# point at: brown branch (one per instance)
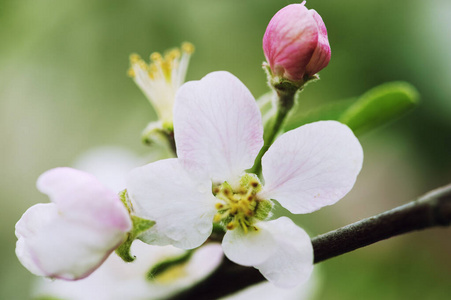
(432, 209)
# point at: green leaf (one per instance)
(375, 108)
(139, 226)
(379, 106)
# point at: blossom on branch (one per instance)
(218, 133)
(70, 237)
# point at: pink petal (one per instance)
(71, 237)
(217, 126)
(312, 166)
(83, 196)
(321, 56)
(290, 41)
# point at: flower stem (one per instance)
(286, 92)
(432, 209)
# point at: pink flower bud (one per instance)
(70, 237)
(295, 43)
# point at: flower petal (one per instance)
(312, 166)
(71, 237)
(248, 249)
(51, 245)
(321, 56)
(292, 262)
(267, 291)
(217, 125)
(182, 207)
(82, 197)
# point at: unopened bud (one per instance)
(295, 43)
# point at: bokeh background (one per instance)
(64, 90)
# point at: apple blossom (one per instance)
(305, 169)
(296, 44)
(70, 237)
(160, 80)
(116, 279)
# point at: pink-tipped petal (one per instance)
(83, 197)
(70, 238)
(312, 166)
(182, 206)
(217, 126)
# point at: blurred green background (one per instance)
(64, 90)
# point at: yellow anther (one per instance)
(219, 205)
(173, 54)
(188, 47)
(134, 58)
(231, 226)
(142, 65)
(131, 73)
(156, 57)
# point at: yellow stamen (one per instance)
(187, 47)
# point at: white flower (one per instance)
(70, 237)
(267, 291)
(161, 79)
(218, 133)
(118, 280)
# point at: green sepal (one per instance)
(379, 106)
(139, 226)
(165, 265)
(126, 201)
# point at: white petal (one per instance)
(248, 249)
(182, 207)
(292, 262)
(267, 291)
(203, 262)
(51, 245)
(312, 166)
(217, 125)
(32, 222)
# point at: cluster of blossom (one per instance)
(217, 131)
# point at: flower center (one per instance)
(241, 207)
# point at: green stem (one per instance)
(286, 93)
